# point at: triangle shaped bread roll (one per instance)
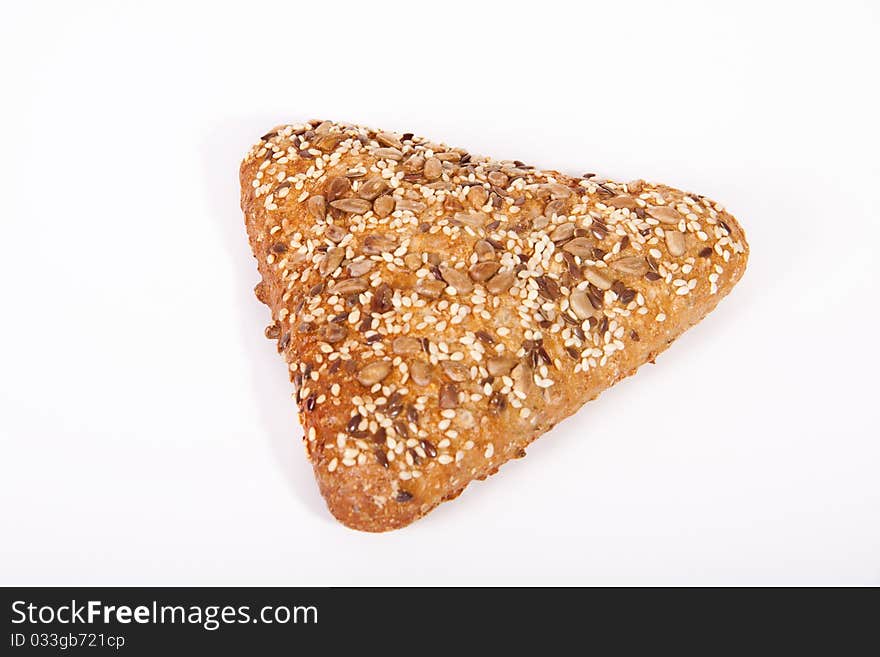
(438, 311)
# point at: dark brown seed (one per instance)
(401, 429)
(310, 402)
(417, 460)
(485, 338)
(634, 336)
(382, 299)
(548, 288)
(278, 247)
(573, 353)
(497, 403)
(706, 252)
(380, 436)
(429, 448)
(403, 496)
(652, 276)
(412, 414)
(284, 342)
(627, 295)
(353, 423)
(381, 458)
(272, 331)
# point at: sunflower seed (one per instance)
(416, 207)
(664, 213)
(414, 164)
(500, 365)
(522, 378)
(420, 372)
(335, 233)
(373, 373)
(597, 278)
(477, 196)
(581, 247)
(562, 232)
(349, 286)
(388, 154)
(430, 288)
(501, 282)
(454, 370)
(556, 207)
(372, 188)
(458, 280)
(433, 168)
(383, 206)
(359, 268)
(622, 201)
(388, 139)
(484, 250)
(675, 242)
(352, 205)
(635, 265)
(328, 142)
(483, 271)
(316, 207)
(404, 346)
(332, 332)
(556, 191)
(378, 243)
(580, 305)
(448, 396)
(331, 261)
(337, 188)
(498, 178)
(472, 219)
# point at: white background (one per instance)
(148, 435)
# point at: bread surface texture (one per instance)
(439, 310)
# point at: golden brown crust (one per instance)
(439, 311)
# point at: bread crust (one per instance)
(605, 275)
